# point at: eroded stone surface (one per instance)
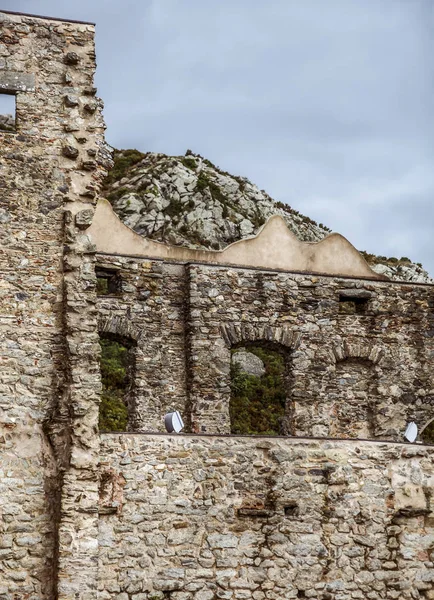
(267, 519)
(189, 518)
(49, 380)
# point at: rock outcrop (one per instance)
(402, 270)
(248, 363)
(188, 201)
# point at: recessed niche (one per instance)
(291, 509)
(352, 306)
(108, 282)
(354, 301)
(7, 113)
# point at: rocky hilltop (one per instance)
(188, 201)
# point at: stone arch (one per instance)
(280, 339)
(263, 404)
(357, 350)
(427, 428)
(236, 334)
(370, 415)
(210, 371)
(353, 398)
(118, 326)
(117, 333)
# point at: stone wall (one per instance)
(149, 311)
(206, 518)
(359, 354)
(51, 170)
(325, 325)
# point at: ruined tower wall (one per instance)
(384, 329)
(234, 518)
(51, 168)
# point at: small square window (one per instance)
(291, 510)
(352, 306)
(7, 112)
(108, 282)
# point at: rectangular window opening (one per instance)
(108, 282)
(352, 305)
(7, 112)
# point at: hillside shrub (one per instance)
(190, 163)
(116, 194)
(113, 414)
(258, 403)
(123, 161)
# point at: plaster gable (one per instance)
(274, 247)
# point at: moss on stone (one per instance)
(190, 163)
(116, 194)
(174, 209)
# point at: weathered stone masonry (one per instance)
(139, 516)
(203, 517)
(209, 518)
(51, 169)
(351, 374)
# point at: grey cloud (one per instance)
(327, 106)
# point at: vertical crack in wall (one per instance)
(57, 432)
(189, 408)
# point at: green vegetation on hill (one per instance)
(123, 161)
(258, 403)
(6, 127)
(113, 414)
(391, 261)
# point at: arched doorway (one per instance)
(260, 389)
(117, 364)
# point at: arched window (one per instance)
(117, 377)
(427, 433)
(259, 389)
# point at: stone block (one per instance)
(11, 81)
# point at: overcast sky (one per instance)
(328, 105)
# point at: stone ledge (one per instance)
(11, 81)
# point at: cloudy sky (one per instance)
(328, 105)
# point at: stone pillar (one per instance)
(85, 158)
(51, 169)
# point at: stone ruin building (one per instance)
(340, 507)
